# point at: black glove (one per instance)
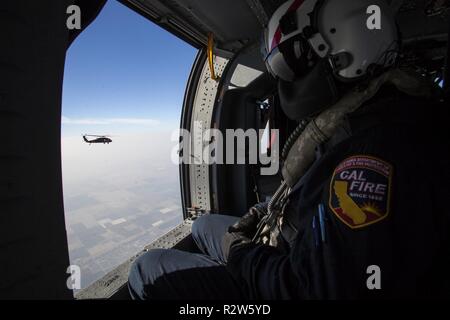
(248, 224)
(232, 239)
(242, 231)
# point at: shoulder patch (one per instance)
(360, 191)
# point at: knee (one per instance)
(148, 264)
(144, 272)
(212, 223)
(200, 226)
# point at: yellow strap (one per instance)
(211, 55)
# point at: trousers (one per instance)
(170, 274)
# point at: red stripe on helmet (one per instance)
(278, 35)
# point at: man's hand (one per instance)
(248, 224)
(242, 231)
(232, 239)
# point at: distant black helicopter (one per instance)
(98, 139)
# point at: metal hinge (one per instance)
(195, 212)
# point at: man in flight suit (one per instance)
(362, 213)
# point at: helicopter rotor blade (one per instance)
(95, 136)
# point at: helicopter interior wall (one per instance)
(251, 57)
(192, 20)
(34, 255)
(234, 194)
(233, 186)
(33, 244)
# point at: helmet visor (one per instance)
(292, 59)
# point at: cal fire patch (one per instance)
(360, 191)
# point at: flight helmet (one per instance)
(314, 46)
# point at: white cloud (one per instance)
(109, 121)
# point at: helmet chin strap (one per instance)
(324, 126)
(309, 94)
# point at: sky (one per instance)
(124, 73)
(124, 77)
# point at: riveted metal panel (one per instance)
(203, 107)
